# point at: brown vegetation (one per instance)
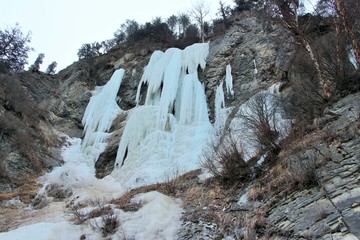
(225, 161)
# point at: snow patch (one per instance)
(158, 218)
(45, 231)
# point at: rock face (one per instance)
(29, 144)
(255, 54)
(333, 210)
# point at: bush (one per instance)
(110, 225)
(226, 162)
(89, 50)
(303, 170)
(259, 116)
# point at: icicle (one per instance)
(99, 114)
(229, 81)
(255, 68)
(193, 108)
(195, 55)
(219, 102)
(352, 58)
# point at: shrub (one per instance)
(226, 162)
(259, 116)
(75, 215)
(110, 224)
(303, 170)
(89, 50)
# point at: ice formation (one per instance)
(352, 58)
(271, 108)
(99, 114)
(171, 127)
(219, 104)
(255, 68)
(229, 81)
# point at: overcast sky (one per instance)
(60, 27)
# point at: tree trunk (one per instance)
(355, 45)
(325, 84)
(289, 17)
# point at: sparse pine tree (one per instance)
(35, 67)
(184, 22)
(51, 68)
(172, 21)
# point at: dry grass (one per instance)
(283, 178)
(26, 192)
(172, 187)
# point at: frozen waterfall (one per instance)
(99, 114)
(167, 133)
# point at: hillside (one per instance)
(230, 139)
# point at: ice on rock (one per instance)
(255, 68)
(229, 81)
(219, 104)
(99, 114)
(193, 107)
(352, 58)
(240, 129)
(221, 111)
(172, 126)
(194, 56)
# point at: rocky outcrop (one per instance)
(29, 144)
(106, 162)
(255, 53)
(330, 210)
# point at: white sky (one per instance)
(60, 27)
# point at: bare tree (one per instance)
(199, 12)
(224, 12)
(345, 21)
(347, 15)
(260, 118)
(14, 49)
(287, 12)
